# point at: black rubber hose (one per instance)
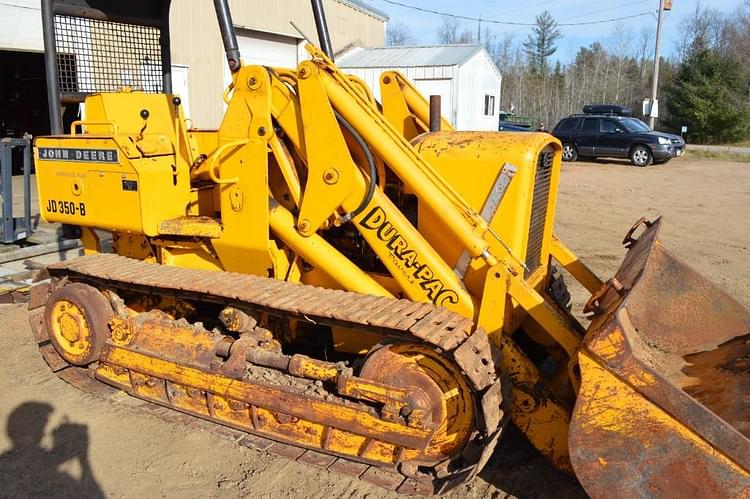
(370, 162)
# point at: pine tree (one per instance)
(541, 43)
(709, 95)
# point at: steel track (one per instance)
(450, 333)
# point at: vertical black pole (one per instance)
(228, 36)
(50, 67)
(322, 26)
(166, 55)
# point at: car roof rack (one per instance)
(597, 115)
(607, 110)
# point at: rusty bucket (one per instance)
(664, 403)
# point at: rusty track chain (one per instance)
(402, 319)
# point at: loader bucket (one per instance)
(664, 404)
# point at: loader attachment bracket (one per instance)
(628, 241)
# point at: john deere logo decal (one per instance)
(83, 155)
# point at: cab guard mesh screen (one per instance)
(105, 56)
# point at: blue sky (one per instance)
(424, 26)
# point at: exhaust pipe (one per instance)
(435, 113)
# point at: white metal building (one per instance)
(464, 76)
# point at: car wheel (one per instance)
(570, 153)
(641, 156)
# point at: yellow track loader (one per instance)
(365, 289)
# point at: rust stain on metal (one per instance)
(720, 380)
(193, 226)
(303, 420)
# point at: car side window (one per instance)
(575, 123)
(609, 126)
(566, 124)
(591, 125)
(563, 125)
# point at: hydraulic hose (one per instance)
(368, 156)
(370, 163)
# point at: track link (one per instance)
(398, 319)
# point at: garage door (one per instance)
(268, 49)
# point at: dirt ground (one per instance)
(705, 205)
(56, 441)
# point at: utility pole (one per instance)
(655, 79)
(479, 30)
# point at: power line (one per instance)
(620, 6)
(511, 23)
(525, 7)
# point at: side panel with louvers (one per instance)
(539, 203)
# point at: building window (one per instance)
(489, 105)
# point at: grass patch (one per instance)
(716, 155)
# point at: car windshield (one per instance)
(634, 125)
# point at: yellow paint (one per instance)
(331, 169)
(462, 221)
(194, 255)
(396, 109)
(193, 385)
(350, 341)
(457, 406)
(70, 329)
(574, 265)
(113, 375)
(608, 403)
(191, 227)
(133, 246)
(542, 419)
(244, 205)
(322, 254)
(547, 315)
(89, 189)
(487, 152)
(90, 241)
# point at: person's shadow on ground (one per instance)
(30, 470)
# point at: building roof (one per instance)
(367, 9)
(394, 57)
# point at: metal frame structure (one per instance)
(15, 228)
(147, 13)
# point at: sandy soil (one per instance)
(705, 205)
(56, 441)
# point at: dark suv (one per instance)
(609, 135)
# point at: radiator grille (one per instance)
(104, 56)
(539, 203)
